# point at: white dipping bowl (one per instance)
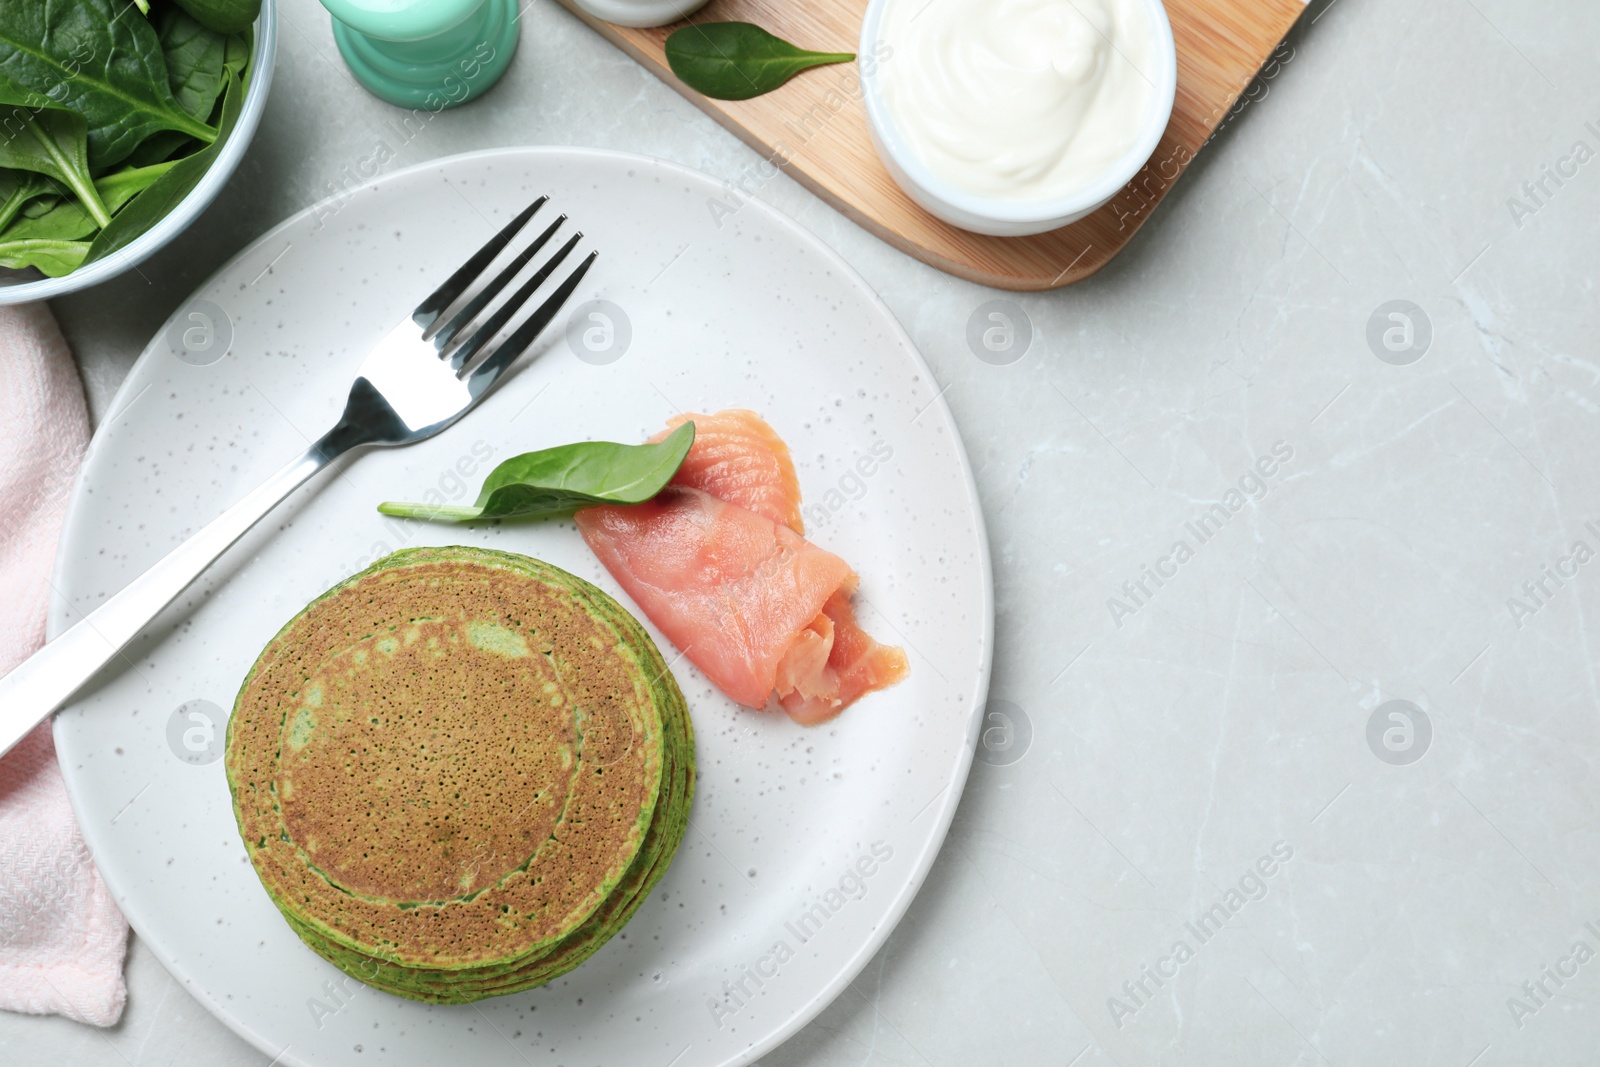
(999, 216)
(641, 12)
(18, 289)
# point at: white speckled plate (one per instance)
(806, 846)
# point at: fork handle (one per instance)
(43, 682)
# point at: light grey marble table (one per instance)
(1409, 536)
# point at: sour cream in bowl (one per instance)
(1015, 117)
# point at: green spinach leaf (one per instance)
(17, 189)
(38, 207)
(54, 143)
(236, 55)
(93, 58)
(195, 60)
(68, 221)
(171, 144)
(13, 96)
(224, 16)
(159, 147)
(556, 480)
(153, 204)
(737, 60)
(54, 258)
(119, 188)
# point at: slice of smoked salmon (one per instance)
(852, 664)
(717, 563)
(730, 588)
(737, 457)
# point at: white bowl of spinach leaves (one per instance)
(120, 120)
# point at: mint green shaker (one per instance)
(426, 54)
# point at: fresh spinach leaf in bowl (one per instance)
(110, 113)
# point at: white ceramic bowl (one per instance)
(189, 208)
(641, 12)
(995, 215)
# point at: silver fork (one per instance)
(416, 382)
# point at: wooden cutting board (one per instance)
(815, 127)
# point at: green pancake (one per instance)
(611, 917)
(665, 834)
(666, 831)
(459, 772)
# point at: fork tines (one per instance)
(468, 333)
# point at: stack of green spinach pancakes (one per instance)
(460, 772)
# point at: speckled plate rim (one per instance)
(944, 807)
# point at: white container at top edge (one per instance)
(1003, 216)
(189, 208)
(641, 12)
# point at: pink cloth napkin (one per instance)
(62, 939)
